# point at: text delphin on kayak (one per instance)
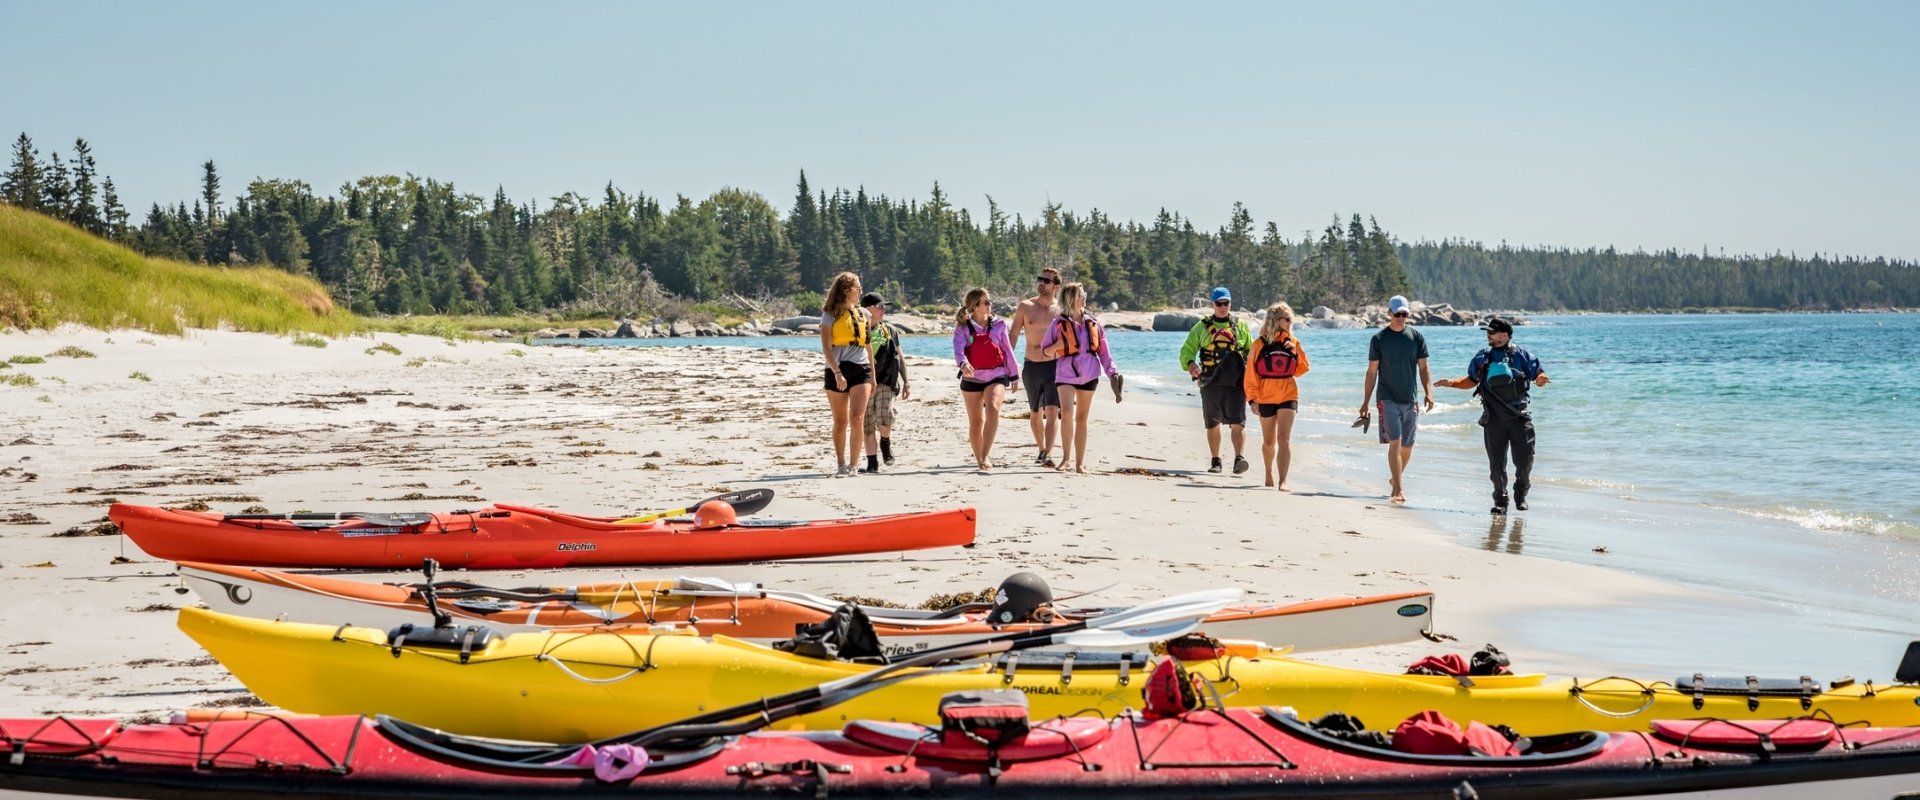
(573, 547)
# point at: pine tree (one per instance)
(210, 192)
(56, 189)
(85, 213)
(112, 213)
(22, 183)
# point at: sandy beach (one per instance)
(249, 421)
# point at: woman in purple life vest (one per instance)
(1078, 346)
(988, 368)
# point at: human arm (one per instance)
(1011, 362)
(1299, 358)
(1050, 343)
(1426, 383)
(1190, 349)
(1474, 367)
(826, 350)
(1539, 372)
(1105, 354)
(1366, 392)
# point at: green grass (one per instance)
(71, 351)
(383, 347)
(140, 376)
(461, 327)
(311, 341)
(53, 273)
(26, 360)
(18, 379)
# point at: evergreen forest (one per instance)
(411, 245)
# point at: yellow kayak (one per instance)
(581, 685)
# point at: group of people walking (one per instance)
(1066, 353)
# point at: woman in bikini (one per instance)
(984, 354)
(1078, 346)
(1272, 392)
(849, 378)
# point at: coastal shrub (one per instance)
(310, 341)
(140, 376)
(517, 353)
(26, 360)
(70, 351)
(807, 302)
(383, 347)
(18, 379)
(416, 361)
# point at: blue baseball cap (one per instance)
(1221, 293)
(1397, 304)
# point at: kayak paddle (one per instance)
(745, 501)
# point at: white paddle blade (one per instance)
(1179, 607)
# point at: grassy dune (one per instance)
(53, 273)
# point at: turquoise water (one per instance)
(1799, 418)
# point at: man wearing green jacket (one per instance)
(1215, 355)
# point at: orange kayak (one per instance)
(749, 611)
(502, 536)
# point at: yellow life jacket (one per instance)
(849, 328)
(1069, 335)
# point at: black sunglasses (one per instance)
(1223, 302)
(1045, 279)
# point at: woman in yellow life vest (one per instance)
(849, 378)
(1272, 393)
(1079, 349)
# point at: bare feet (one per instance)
(1283, 487)
(1269, 480)
(1080, 468)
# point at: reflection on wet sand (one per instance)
(1497, 530)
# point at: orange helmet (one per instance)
(715, 514)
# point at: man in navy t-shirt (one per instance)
(1395, 353)
(1500, 376)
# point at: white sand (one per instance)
(248, 419)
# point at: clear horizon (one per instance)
(1747, 128)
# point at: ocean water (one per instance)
(1764, 457)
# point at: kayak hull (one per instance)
(1237, 753)
(572, 686)
(520, 537)
(746, 611)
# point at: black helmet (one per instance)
(1018, 597)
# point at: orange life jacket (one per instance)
(1069, 336)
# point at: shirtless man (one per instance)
(1031, 320)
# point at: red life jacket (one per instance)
(1276, 359)
(982, 353)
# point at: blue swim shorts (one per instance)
(1398, 421)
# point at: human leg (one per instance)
(1269, 430)
(1283, 444)
(973, 402)
(1522, 464)
(1082, 412)
(838, 402)
(990, 422)
(1496, 437)
(1069, 399)
(857, 397)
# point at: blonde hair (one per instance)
(840, 297)
(974, 296)
(1069, 293)
(1271, 326)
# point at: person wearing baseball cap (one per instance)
(1215, 355)
(1501, 376)
(1395, 354)
(890, 381)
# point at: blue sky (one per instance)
(1743, 126)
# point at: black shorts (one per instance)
(1086, 387)
(1270, 409)
(856, 373)
(971, 386)
(1043, 389)
(1223, 405)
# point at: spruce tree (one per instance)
(22, 184)
(56, 189)
(86, 213)
(111, 212)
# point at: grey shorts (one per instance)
(1398, 421)
(1043, 389)
(1223, 405)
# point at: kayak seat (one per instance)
(1702, 686)
(1541, 751)
(1043, 740)
(1753, 736)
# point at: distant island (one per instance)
(390, 245)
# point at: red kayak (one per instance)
(980, 751)
(502, 536)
